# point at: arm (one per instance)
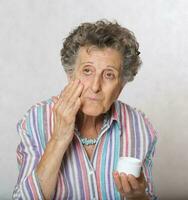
(27, 186)
(142, 187)
(46, 167)
(131, 187)
(138, 188)
(147, 169)
(37, 174)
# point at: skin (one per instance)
(96, 81)
(99, 71)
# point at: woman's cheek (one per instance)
(85, 78)
(85, 87)
(85, 81)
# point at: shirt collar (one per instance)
(114, 114)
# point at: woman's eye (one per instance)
(109, 75)
(87, 71)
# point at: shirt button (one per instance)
(91, 172)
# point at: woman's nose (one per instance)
(96, 84)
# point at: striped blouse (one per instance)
(125, 132)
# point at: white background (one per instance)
(31, 34)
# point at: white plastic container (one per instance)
(129, 165)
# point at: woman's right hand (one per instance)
(66, 106)
(65, 109)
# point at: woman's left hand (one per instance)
(131, 187)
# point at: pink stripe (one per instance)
(32, 187)
(122, 149)
(98, 166)
(51, 119)
(151, 129)
(48, 114)
(61, 183)
(148, 178)
(126, 134)
(84, 172)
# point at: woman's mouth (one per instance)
(93, 98)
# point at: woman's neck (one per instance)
(89, 126)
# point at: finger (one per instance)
(55, 99)
(63, 94)
(67, 105)
(125, 184)
(66, 89)
(74, 90)
(77, 105)
(133, 182)
(118, 182)
(68, 92)
(71, 110)
(68, 113)
(141, 177)
(77, 93)
(142, 180)
(72, 86)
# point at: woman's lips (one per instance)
(93, 98)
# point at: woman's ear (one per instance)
(68, 77)
(120, 88)
(71, 76)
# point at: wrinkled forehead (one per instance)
(95, 55)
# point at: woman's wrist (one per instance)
(58, 145)
(141, 197)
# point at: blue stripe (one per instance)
(109, 168)
(34, 123)
(103, 162)
(40, 126)
(116, 156)
(80, 175)
(137, 135)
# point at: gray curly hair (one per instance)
(103, 34)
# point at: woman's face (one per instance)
(100, 72)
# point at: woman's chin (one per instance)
(92, 110)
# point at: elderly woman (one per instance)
(71, 143)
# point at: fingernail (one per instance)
(76, 81)
(115, 173)
(130, 176)
(122, 174)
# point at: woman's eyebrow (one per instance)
(86, 63)
(108, 66)
(113, 67)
